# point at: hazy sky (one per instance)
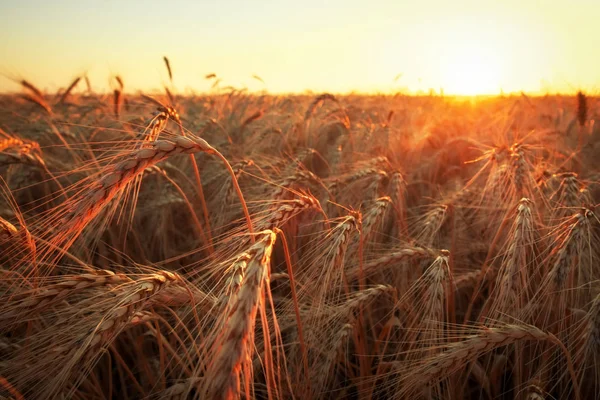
(340, 45)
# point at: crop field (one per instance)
(235, 245)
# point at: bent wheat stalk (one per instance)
(117, 176)
(458, 354)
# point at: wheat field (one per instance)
(234, 245)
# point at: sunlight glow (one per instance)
(469, 71)
(465, 47)
(473, 56)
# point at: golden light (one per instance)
(473, 59)
(470, 71)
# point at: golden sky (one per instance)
(464, 47)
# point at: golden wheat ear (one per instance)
(168, 65)
(458, 354)
(16, 242)
(69, 89)
(582, 108)
(234, 349)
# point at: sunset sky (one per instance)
(465, 47)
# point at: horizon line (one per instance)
(310, 92)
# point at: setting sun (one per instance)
(470, 69)
(473, 53)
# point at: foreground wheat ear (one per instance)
(449, 252)
(115, 178)
(234, 350)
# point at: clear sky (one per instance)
(463, 46)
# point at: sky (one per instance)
(458, 46)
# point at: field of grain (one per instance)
(237, 245)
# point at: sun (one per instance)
(470, 68)
(472, 56)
